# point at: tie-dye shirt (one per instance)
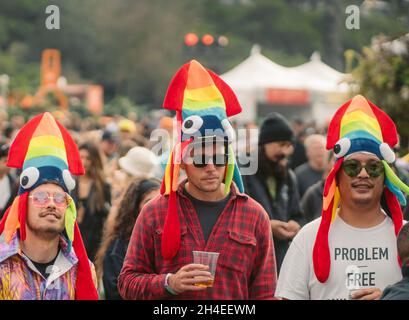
(20, 280)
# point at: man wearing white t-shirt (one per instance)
(350, 252)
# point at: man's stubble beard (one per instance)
(48, 233)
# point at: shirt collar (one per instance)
(8, 250)
(233, 190)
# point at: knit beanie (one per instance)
(275, 128)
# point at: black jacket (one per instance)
(400, 290)
(14, 185)
(311, 202)
(112, 264)
(93, 221)
(285, 207)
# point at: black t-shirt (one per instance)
(208, 212)
(44, 267)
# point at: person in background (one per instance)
(111, 254)
(298, 157)
(93, 196)
(138, 162)
(8, 183)
(312, 171)
(109, 146)
(127, 129)
(109, 152)
(400, 290)
(311, 201)
(274, 185)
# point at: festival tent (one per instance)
(312, 90)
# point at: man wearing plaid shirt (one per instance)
(235, 225)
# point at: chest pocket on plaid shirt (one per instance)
(238, 251)
(168, 265)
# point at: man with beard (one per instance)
(205, 212)
(42, 256)
(274, 185)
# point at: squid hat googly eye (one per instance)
(203, 102)
(357, 126)
(46, 152)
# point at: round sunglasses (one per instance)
(353, 167)
(43, 199)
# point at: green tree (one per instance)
(383, 76)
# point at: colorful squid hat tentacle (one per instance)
(357, 126)
(22, 208)
(395, 209)
(237, 178)
(203, 102)
(394, 189)
(330, 184)
(11, 222)
(229, 171)
(171, 229)
(4, 219)
(84, 285)
(395, 184)
(70, 218)
(321, 253)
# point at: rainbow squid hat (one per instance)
(357, 126)
(202, 102)
(45, 152)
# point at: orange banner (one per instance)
(95, 99)
(288, 96)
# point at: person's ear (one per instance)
(183, 165)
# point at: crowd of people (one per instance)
(322, 217)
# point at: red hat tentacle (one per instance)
(171, 229)
(396, 213)
(22, 216)
(84, 286)
(4, 219)
(321, 252)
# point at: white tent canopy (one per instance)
(259, 72)
(317, 76)
(252, 78)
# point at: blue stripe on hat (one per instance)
(46, 161)
(360, 134)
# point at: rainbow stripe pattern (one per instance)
(203, 102)
(46, 147)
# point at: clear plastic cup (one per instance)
(208, 259)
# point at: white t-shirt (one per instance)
(360, 257)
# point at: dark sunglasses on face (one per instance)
(202, 160)
(43, 199)
(353, 167)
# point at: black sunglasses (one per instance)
(202, 160)
(353, 167)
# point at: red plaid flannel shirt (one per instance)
(246, 268)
